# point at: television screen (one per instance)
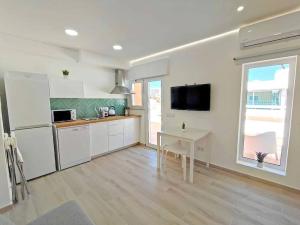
(192, 97)
(178, 97)
(198, 97)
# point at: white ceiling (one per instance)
(142, 27)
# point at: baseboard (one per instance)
(6, 209)
(261, 180)
(234, 172)
(116, 150)
(141, 144)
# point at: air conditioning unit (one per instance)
(277, 29)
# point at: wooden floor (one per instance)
(124, 188)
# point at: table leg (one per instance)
(192, 153)
(184, 166)
(207, 149)
(158, 151)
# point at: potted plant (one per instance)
(65, 73)
(260, 157)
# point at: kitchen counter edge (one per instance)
(85, 122)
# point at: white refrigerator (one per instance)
(28, 104)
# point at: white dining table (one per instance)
(190, 135)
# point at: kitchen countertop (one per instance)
(84, 122)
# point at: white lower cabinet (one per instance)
(131, 131)
(99, 138)
(73, 146)
(77, 144)
(115, 134)
(116, 127)
(116, 141)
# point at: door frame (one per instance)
(146, 81)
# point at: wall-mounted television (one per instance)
(191, 97)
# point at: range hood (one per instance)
(120, 83)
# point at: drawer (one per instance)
(116, 141)
(116, 127)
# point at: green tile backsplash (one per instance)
(85, 107)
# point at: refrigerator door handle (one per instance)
(34, 126)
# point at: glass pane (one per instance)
(154, 99)
(137, 99)
(265, 111)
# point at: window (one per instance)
(137, 97)
(265, 117)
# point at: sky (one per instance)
(155, 84)
(264, 73)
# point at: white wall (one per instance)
(212, 62)
(23, 55)
(29, 56)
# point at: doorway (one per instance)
(154, 109)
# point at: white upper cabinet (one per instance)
(131, 131)
(66, 88)
(99, 138)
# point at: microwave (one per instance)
(63, 115)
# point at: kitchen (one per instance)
(181, 153)
(59, 128)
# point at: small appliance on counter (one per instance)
(104, 111)
(63, 115)
(112, 111)
(99, 113)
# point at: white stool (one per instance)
(177, 148)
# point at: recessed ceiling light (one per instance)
(71, 32)
(117, 47)
(240, 8)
